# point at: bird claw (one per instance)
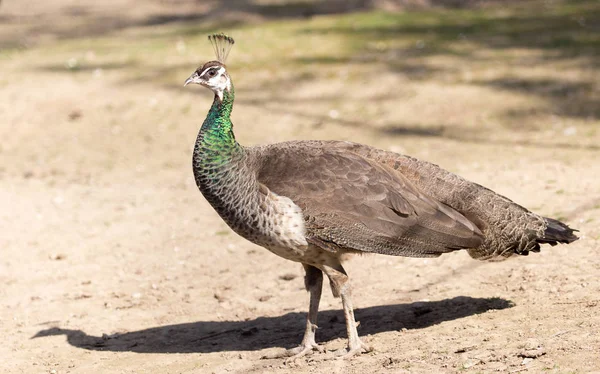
(293, 354)
(301, 351)
(354, 349)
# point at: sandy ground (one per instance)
(112, 261)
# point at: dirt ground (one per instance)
(112, 261)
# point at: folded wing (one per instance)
(352, 203)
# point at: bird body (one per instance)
(314, 202)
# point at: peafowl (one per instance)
(315, 202)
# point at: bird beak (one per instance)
(188, 81)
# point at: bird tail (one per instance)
(557, 232)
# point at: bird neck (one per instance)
(216, 146)
(220, 168)
(217, 129)
(216, 141)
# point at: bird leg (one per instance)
(340, 286)
(355, 345)
(313, 281)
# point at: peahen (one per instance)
(314, 202)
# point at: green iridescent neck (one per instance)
(217, 126)
(216, 138)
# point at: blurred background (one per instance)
(103, 232)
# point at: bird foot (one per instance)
(293, 354)
(352, 350)
(301, 351)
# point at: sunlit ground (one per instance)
(96, 183)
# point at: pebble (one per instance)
(532, 353)
(470, 363)
(532, 348)
(57, 256)
(219, 297)
(526, 360)
(531, 344)
(288, 276)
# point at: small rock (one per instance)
(531, 344)
(470, 363)
(288, 276)
(532, 353)
(75, 115)
(526, 360)
(57, 256)
(390, 362)
(466, 349)
(264, 298)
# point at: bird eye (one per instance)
(211, 73)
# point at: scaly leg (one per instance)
(355, 345)
(340, 286)
(313, 281)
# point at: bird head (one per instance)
(213, 74)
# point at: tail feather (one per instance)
(557, 232)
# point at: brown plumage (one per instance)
(359, 198)
(353, 203)
(314, 202)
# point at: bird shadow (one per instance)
(279, 331)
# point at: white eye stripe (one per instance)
(221, 70)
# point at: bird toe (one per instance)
(293, 354)
(354, 349)
(301, 351)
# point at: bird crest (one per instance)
(222, 45)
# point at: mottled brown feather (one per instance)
(356, 197)
(351, 202)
